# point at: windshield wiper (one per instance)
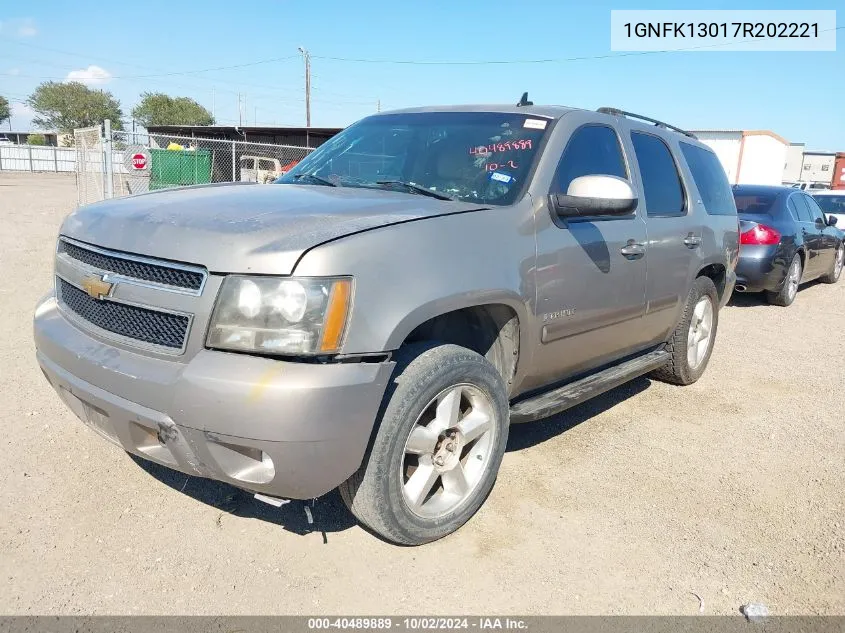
(322, 181)
(412, 188)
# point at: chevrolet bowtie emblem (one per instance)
(96, 286)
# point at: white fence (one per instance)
(37, 158)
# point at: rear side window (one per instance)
(662, 188)
(592, 150)
(793, 210)
(710, 179)
(803, 208)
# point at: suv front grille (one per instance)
(141, 324)
(132, 267)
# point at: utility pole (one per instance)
(240, 112)
(378, 106)
(306, 56)
(212, 103)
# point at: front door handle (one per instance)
(692, 241)
(633, 250)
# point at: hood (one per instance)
(244, 228)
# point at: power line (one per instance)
(161, 73)
(170, 74)
(538, 61)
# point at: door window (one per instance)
(803, 208)
(662, 189)
(592, 150)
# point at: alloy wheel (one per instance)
(793, 279)
(447, 451)
(700, 332)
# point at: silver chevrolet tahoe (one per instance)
(377, 318)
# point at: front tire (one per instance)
(691, 344)
(789, 290)
(440, 440)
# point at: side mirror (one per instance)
(831, 220)
(595, 196)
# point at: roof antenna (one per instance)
(524, 101)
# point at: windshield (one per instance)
(480, 157)
(831, 204)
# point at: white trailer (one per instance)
(752, 157)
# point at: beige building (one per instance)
(817, 167)
(755, 157)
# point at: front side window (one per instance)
(592, 150)
(662, 189)
(710, 179)
(483, 157)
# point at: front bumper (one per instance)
(285, 429)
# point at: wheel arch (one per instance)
(718, 273)
(492, 326)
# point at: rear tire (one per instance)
(444, 420)
(690, 346)
(833, 276)
(789, 290)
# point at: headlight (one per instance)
(275, 315)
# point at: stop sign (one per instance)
(139, 161)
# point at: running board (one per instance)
(550, 402)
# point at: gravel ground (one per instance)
(730, 489)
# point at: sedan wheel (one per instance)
(786, 295)
(793, 279)
(836, 271)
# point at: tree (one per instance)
(66, 106)
(5, 110)
(157, 108)
(36, 139)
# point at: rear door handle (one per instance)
(633, 250)
(692, 241)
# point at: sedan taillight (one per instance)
(760, 234)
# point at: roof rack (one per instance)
(618, 112)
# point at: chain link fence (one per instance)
(90, 166)
(121, 163)
(146, 162)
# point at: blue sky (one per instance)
(128, 47)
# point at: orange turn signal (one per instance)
(336, 314)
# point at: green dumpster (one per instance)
(179, 167)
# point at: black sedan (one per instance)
(785, 240)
